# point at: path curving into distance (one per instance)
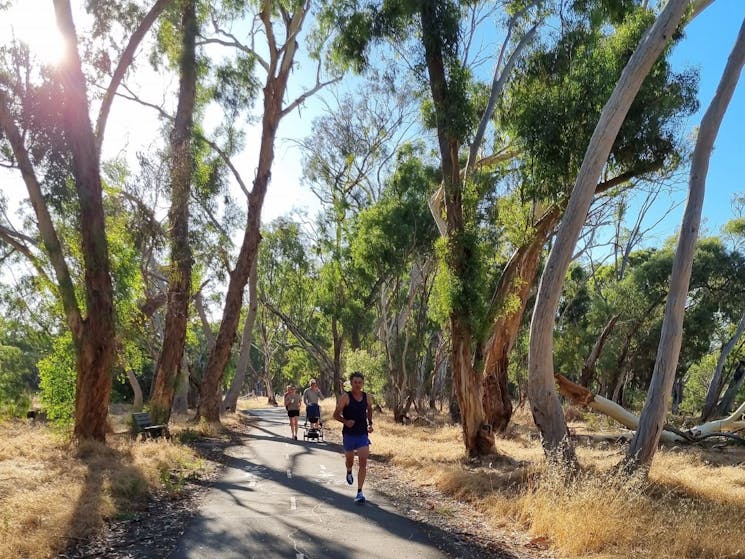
(281, 498)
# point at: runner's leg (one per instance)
(349, 459)
(362, 454)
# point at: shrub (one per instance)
(14, 400)
(57, 374)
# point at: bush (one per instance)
(372, 366)
(14, 399)
(58, 375)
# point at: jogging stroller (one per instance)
(313, 416)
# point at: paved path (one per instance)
(284, 498)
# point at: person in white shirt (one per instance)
(311, 396)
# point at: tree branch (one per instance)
(124, 63)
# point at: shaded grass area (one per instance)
(691, 506)
(54, 494)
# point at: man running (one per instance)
(354, 410)
(311, 396)
(292, 404)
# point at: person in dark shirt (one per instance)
(293, 401)
(354, 410)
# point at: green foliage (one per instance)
(57, 372)
(14, 399)
(697, 383)
(372, 365)
(236, 85)
(553, 104)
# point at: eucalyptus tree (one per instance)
(179, 281)
(276, 58)
(547, 411)
(284, 277)
(49, 143)
(549, 124)
(440, 58)
(347, 158)
(644, 444)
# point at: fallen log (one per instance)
(580, 395)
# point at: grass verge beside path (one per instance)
(691, 507)
(53, 494)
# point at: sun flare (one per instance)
(32, 22)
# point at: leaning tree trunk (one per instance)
(735, 384)
(136, 389)
(515, 284)
(230, 402)
(547, 410)
(179, 282)
(588, 369)
(715, 388)
(644, 444)
(97, 344)
(279, 65)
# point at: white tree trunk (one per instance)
(715, 387)
(547, 411)
(136, 388)
(644, 444)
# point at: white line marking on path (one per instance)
(293, 503)
(289, 474)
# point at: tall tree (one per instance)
(547, 411)
(75, 152)
(179, 281)
(277, 61)
(644, 444)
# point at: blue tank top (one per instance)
(357, 411)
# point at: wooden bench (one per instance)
(143, 424)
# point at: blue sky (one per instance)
(706, 46)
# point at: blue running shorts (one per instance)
(353, 442)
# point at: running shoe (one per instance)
(350, 478)
(360, 498)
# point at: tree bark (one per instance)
(515, 284)
(644, 444)
(181, 396)
(96, 345)
(717, 382)
(244, 357)
(478, 435)
(179, 282)
(547, 410)
(588, 369)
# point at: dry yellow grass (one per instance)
(692, 505)
(53, 493)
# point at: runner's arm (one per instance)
(369, 413)
(343, 401)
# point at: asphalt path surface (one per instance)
(284, 498)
